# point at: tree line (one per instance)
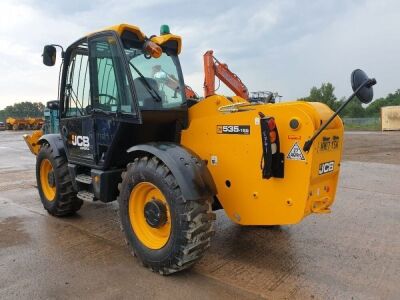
(354, 109)
(22, 110)
(324, 94)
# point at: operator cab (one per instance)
(118, 89)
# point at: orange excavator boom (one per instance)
(189, 93)
(173, 84)
(214, 68)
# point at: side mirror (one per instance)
(53, 105)
(366, 93)
(49, 55)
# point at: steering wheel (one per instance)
(112, 99)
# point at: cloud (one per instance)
(362, 36)
(285, 46)
(23, 32)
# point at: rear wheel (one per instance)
(54, 183)
(166, 232)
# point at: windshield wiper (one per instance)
(147, 85)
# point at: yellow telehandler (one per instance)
(127, 133)
(16, 124)
(24, 123)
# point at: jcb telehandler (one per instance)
(127, 133)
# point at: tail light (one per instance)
(272, 136)
(272, 162)
(271, 124)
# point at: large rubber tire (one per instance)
(65, 201)
(191, 221)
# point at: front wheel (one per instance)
(54, 183)
(166, 232)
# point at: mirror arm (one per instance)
(308, 144)
(62, 49)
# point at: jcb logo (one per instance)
(326, 167)
(81, 141)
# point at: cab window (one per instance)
(111, 91)
(77, 88)
(157, 81)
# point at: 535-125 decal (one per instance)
(233, 129)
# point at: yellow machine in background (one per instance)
(170, 160)
(24, 123)
(35, 123)
(16, 124)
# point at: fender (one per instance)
(189, 169)
(55, 142)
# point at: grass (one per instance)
(364, 127)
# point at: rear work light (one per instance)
(272, 161)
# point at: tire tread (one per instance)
(196, 214)
(67, 202)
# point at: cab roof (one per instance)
(127, 29)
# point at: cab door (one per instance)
(112, 91)
(76, 122)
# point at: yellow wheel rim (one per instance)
(151, 237)
(47, 180)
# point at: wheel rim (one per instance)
(156, 236)
(47, 180)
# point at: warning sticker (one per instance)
(295, 153)
(294, 137)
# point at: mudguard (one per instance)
(189, 169)
(55, 141)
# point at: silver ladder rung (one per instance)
(85, 195)
(83, 178)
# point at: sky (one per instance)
(283, 46)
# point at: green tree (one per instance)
(324, 94)
(374, 108)
(354, 109)
(22, 110)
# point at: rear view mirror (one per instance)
(53, 105)
(49, 55)
(366, 93)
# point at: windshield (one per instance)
(157, 81)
